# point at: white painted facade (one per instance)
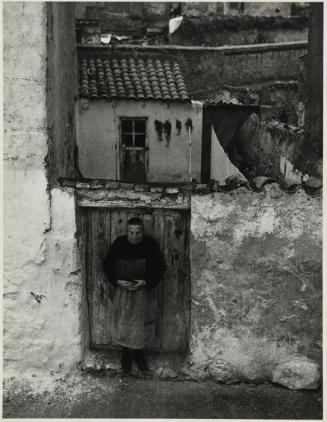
(98, 139)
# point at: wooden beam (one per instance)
(133, 204)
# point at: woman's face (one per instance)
(134, 234)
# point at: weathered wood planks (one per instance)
(169, 331)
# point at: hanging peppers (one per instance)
(189, 125)
(159, 128)
(178, 126)
(167, 129)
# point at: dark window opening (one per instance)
(133, 132)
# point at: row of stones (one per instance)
(256, 185)
(161, 372)
(113, 185)
(296, 373)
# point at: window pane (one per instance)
(127, 126)
(127, 140)
(139, 140)
(139, 126)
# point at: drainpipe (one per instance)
(190, 154)
(189, 127)
(117, 134)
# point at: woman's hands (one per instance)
(131, 285)
(138, 284)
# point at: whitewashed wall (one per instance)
(42, 286)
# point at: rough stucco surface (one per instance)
(256, 281)
(41, 271)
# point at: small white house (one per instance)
(135, 119)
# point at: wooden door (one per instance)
(133, 164)
(133, 150)
(169, 332)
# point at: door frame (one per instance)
(126, 204)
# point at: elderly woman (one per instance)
(133, 265)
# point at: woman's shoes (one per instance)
(140, 360)
(126, 360)
(129, 355)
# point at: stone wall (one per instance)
(239, 30)
(42, 286)
(259, 145)
(256, 262)
(263, 8)
(249, 65)
(284, 98)
(204, 23)
(148, 11)
(208, 68)
(155, 10)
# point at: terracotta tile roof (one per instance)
(129, 78)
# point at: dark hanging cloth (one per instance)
(225, 120)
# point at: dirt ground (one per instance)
(91, 396)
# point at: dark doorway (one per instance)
(169, 331)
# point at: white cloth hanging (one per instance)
(106, 38)
(221, 166)
(174, 24)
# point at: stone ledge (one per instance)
(159, 188)
(312, 187)
(134, 197)
(156, 189)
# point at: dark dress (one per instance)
(127, 261)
